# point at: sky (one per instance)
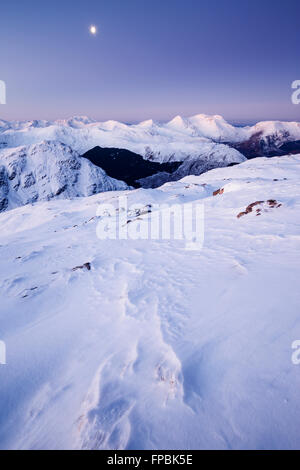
(150, 59)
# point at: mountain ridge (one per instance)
(171, 140)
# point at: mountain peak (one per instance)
(178, 122)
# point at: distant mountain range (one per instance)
(42, 159)
(173, 140)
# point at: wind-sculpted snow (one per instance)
(141, 344)
(48, 170)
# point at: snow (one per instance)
(155, 347)
(278, 128)
(48, 170)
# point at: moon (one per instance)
(93, 29)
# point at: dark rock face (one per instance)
(29, 180)
(4, 189)
(290, 147)
(268, 146)
(127, 166)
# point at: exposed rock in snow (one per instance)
(48, 170)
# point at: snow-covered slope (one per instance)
(48, 170)
(154, 346)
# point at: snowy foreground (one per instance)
(155, 346)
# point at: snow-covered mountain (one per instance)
(209, 156)
(142, 344)
(174, 140)
(48, 170)
(156, 141)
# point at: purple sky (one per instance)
(150, 59)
